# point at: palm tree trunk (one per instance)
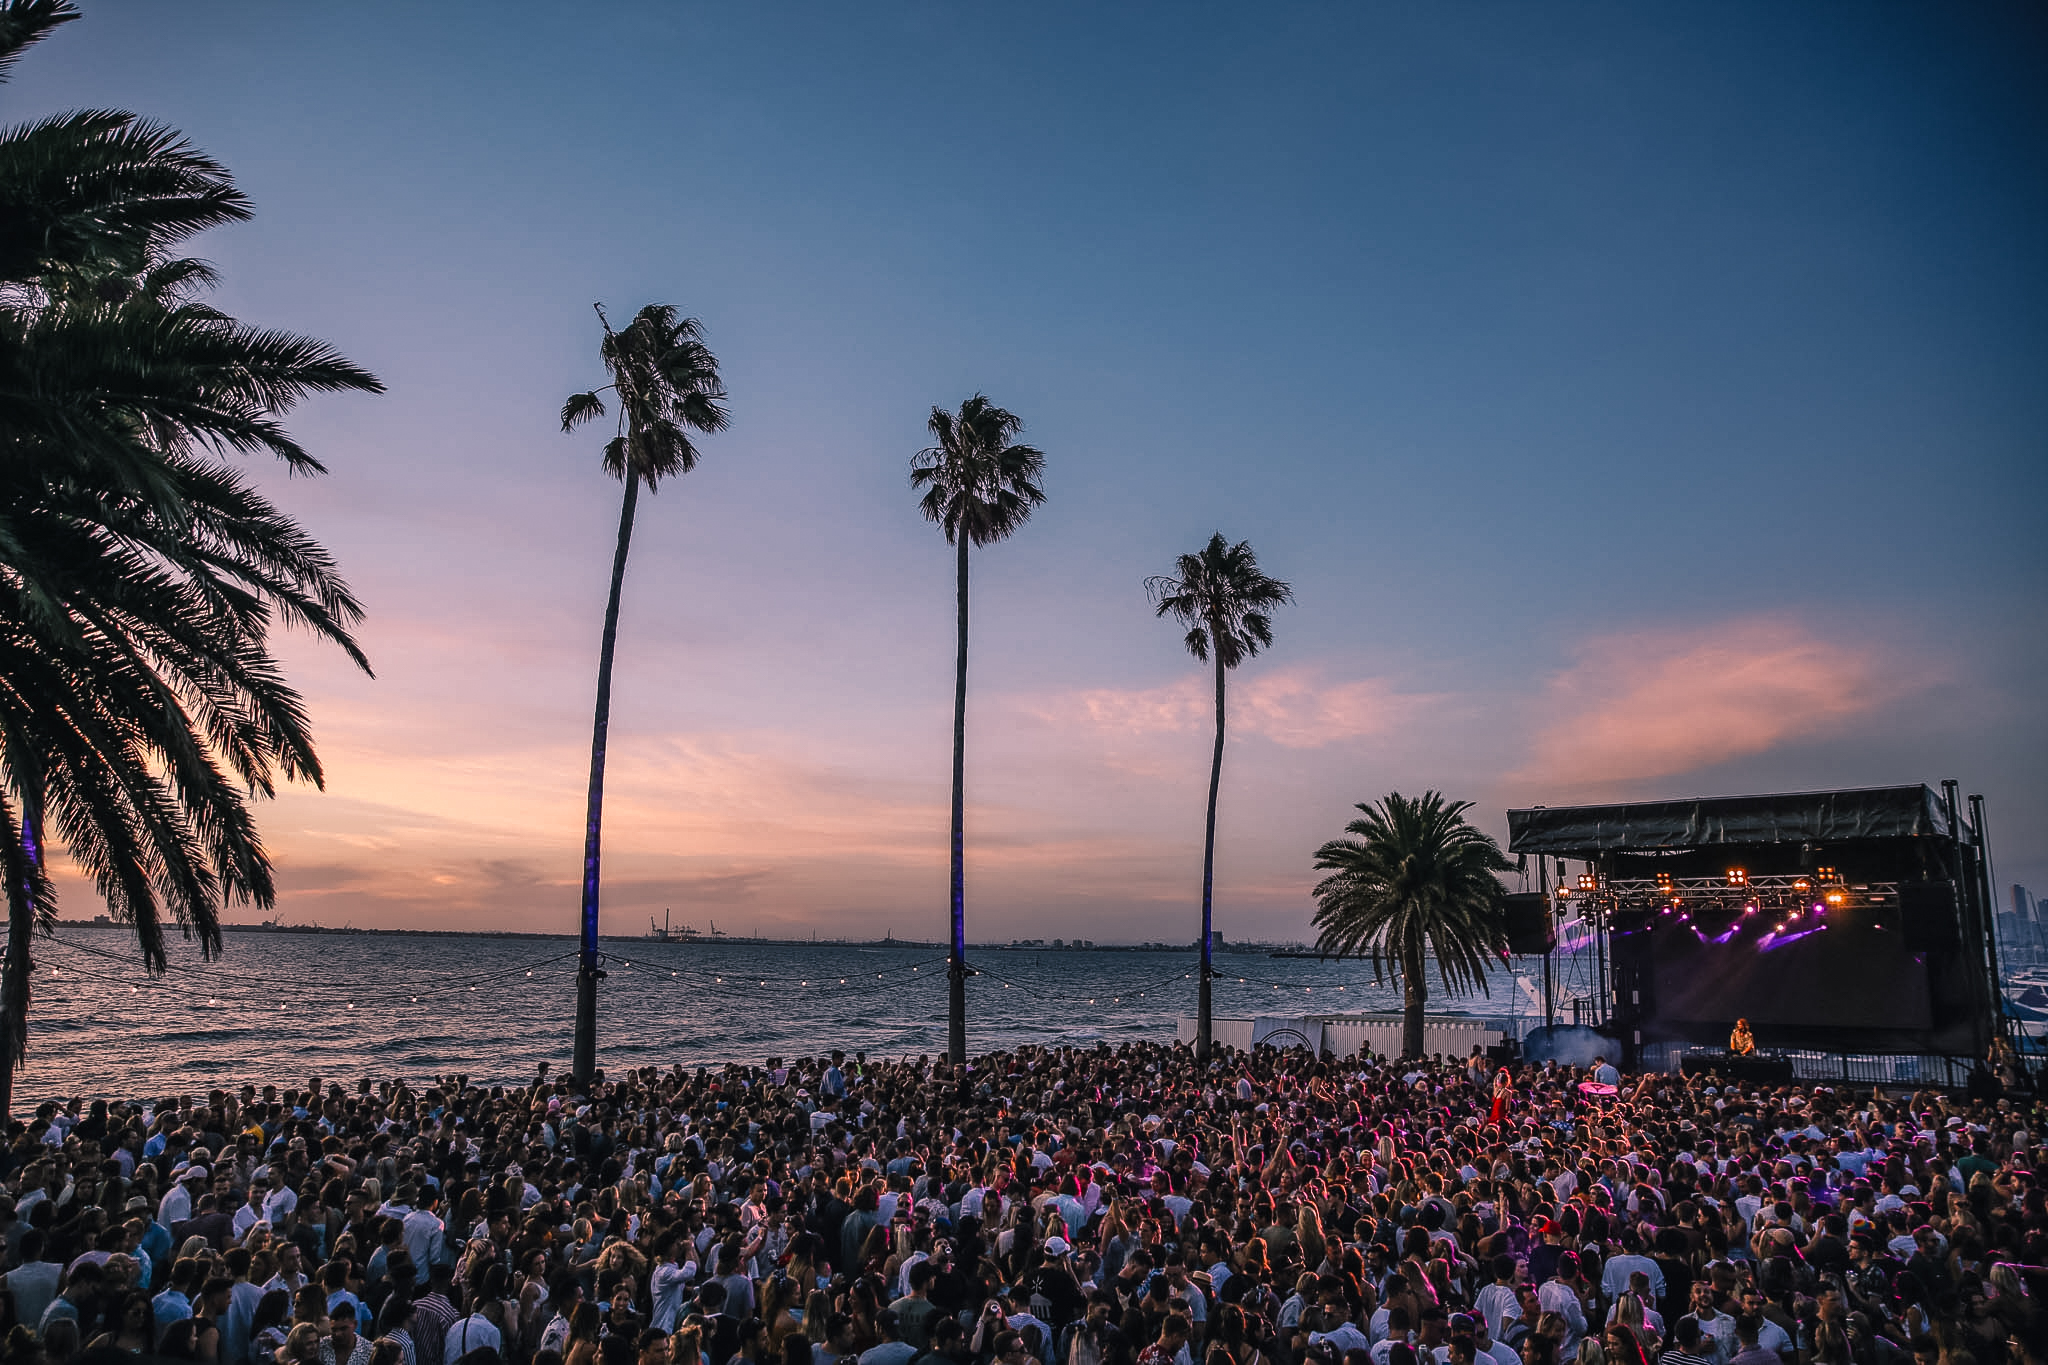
(17, 966)
(584, 1063)
(1414, 997)
(956, 967)
(14, 986)
(1204, 1025)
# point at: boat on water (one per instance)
(665, 932)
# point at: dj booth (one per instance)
(1755, 1069)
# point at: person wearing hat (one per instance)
(1053, 1281)
(176, 1205)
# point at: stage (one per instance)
(1855, 921)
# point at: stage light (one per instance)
(1818, 907)
(1737, 877)
(1588, 882)
(1801, 884)
(1836, 898)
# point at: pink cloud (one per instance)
(1655, 703)
(1295, 708)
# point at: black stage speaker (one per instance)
(1927, 916)
(1530, 930)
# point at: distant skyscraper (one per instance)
(2024, 905)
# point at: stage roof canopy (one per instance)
(1791, 817)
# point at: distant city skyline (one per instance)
(1641, 403)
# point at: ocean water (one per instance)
(285, 1008)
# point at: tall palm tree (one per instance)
(140, 702)
(665, 382)
(1223, 599)
(1415, 880)
(980, 484)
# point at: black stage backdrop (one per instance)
(1842, 977)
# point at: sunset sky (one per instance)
(1643, 402)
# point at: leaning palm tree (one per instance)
(141, 705)
(1415, 881)
(980, 484)
(665, 382)
(1223, 599)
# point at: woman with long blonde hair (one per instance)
(1308, 1232)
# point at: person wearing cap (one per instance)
(1054, 1283)
(176, 1205)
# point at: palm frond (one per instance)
(1223, 598)
(581, 408)
(978, 480)
(1415, 880)
(667, 384)
(24, 23)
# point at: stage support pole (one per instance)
(1988, 892)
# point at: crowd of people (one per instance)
(1040, 1207)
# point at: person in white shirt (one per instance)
(250, 1214)
(472, 1333)
(1627, 1262)
(1341, 1333)
(1488, 1348)
(426, 1240)
(281, 1203)
(1398, 1325)
(176, 1205)
(1560, 1295)
(671, 1278)
(1498, 1301)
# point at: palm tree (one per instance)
(1219, 594)
(140, 703)
(1415, 881)
(980, 485)
(665, 381)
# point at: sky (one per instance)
(1642, 402)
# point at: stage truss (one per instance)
(1734, 894)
